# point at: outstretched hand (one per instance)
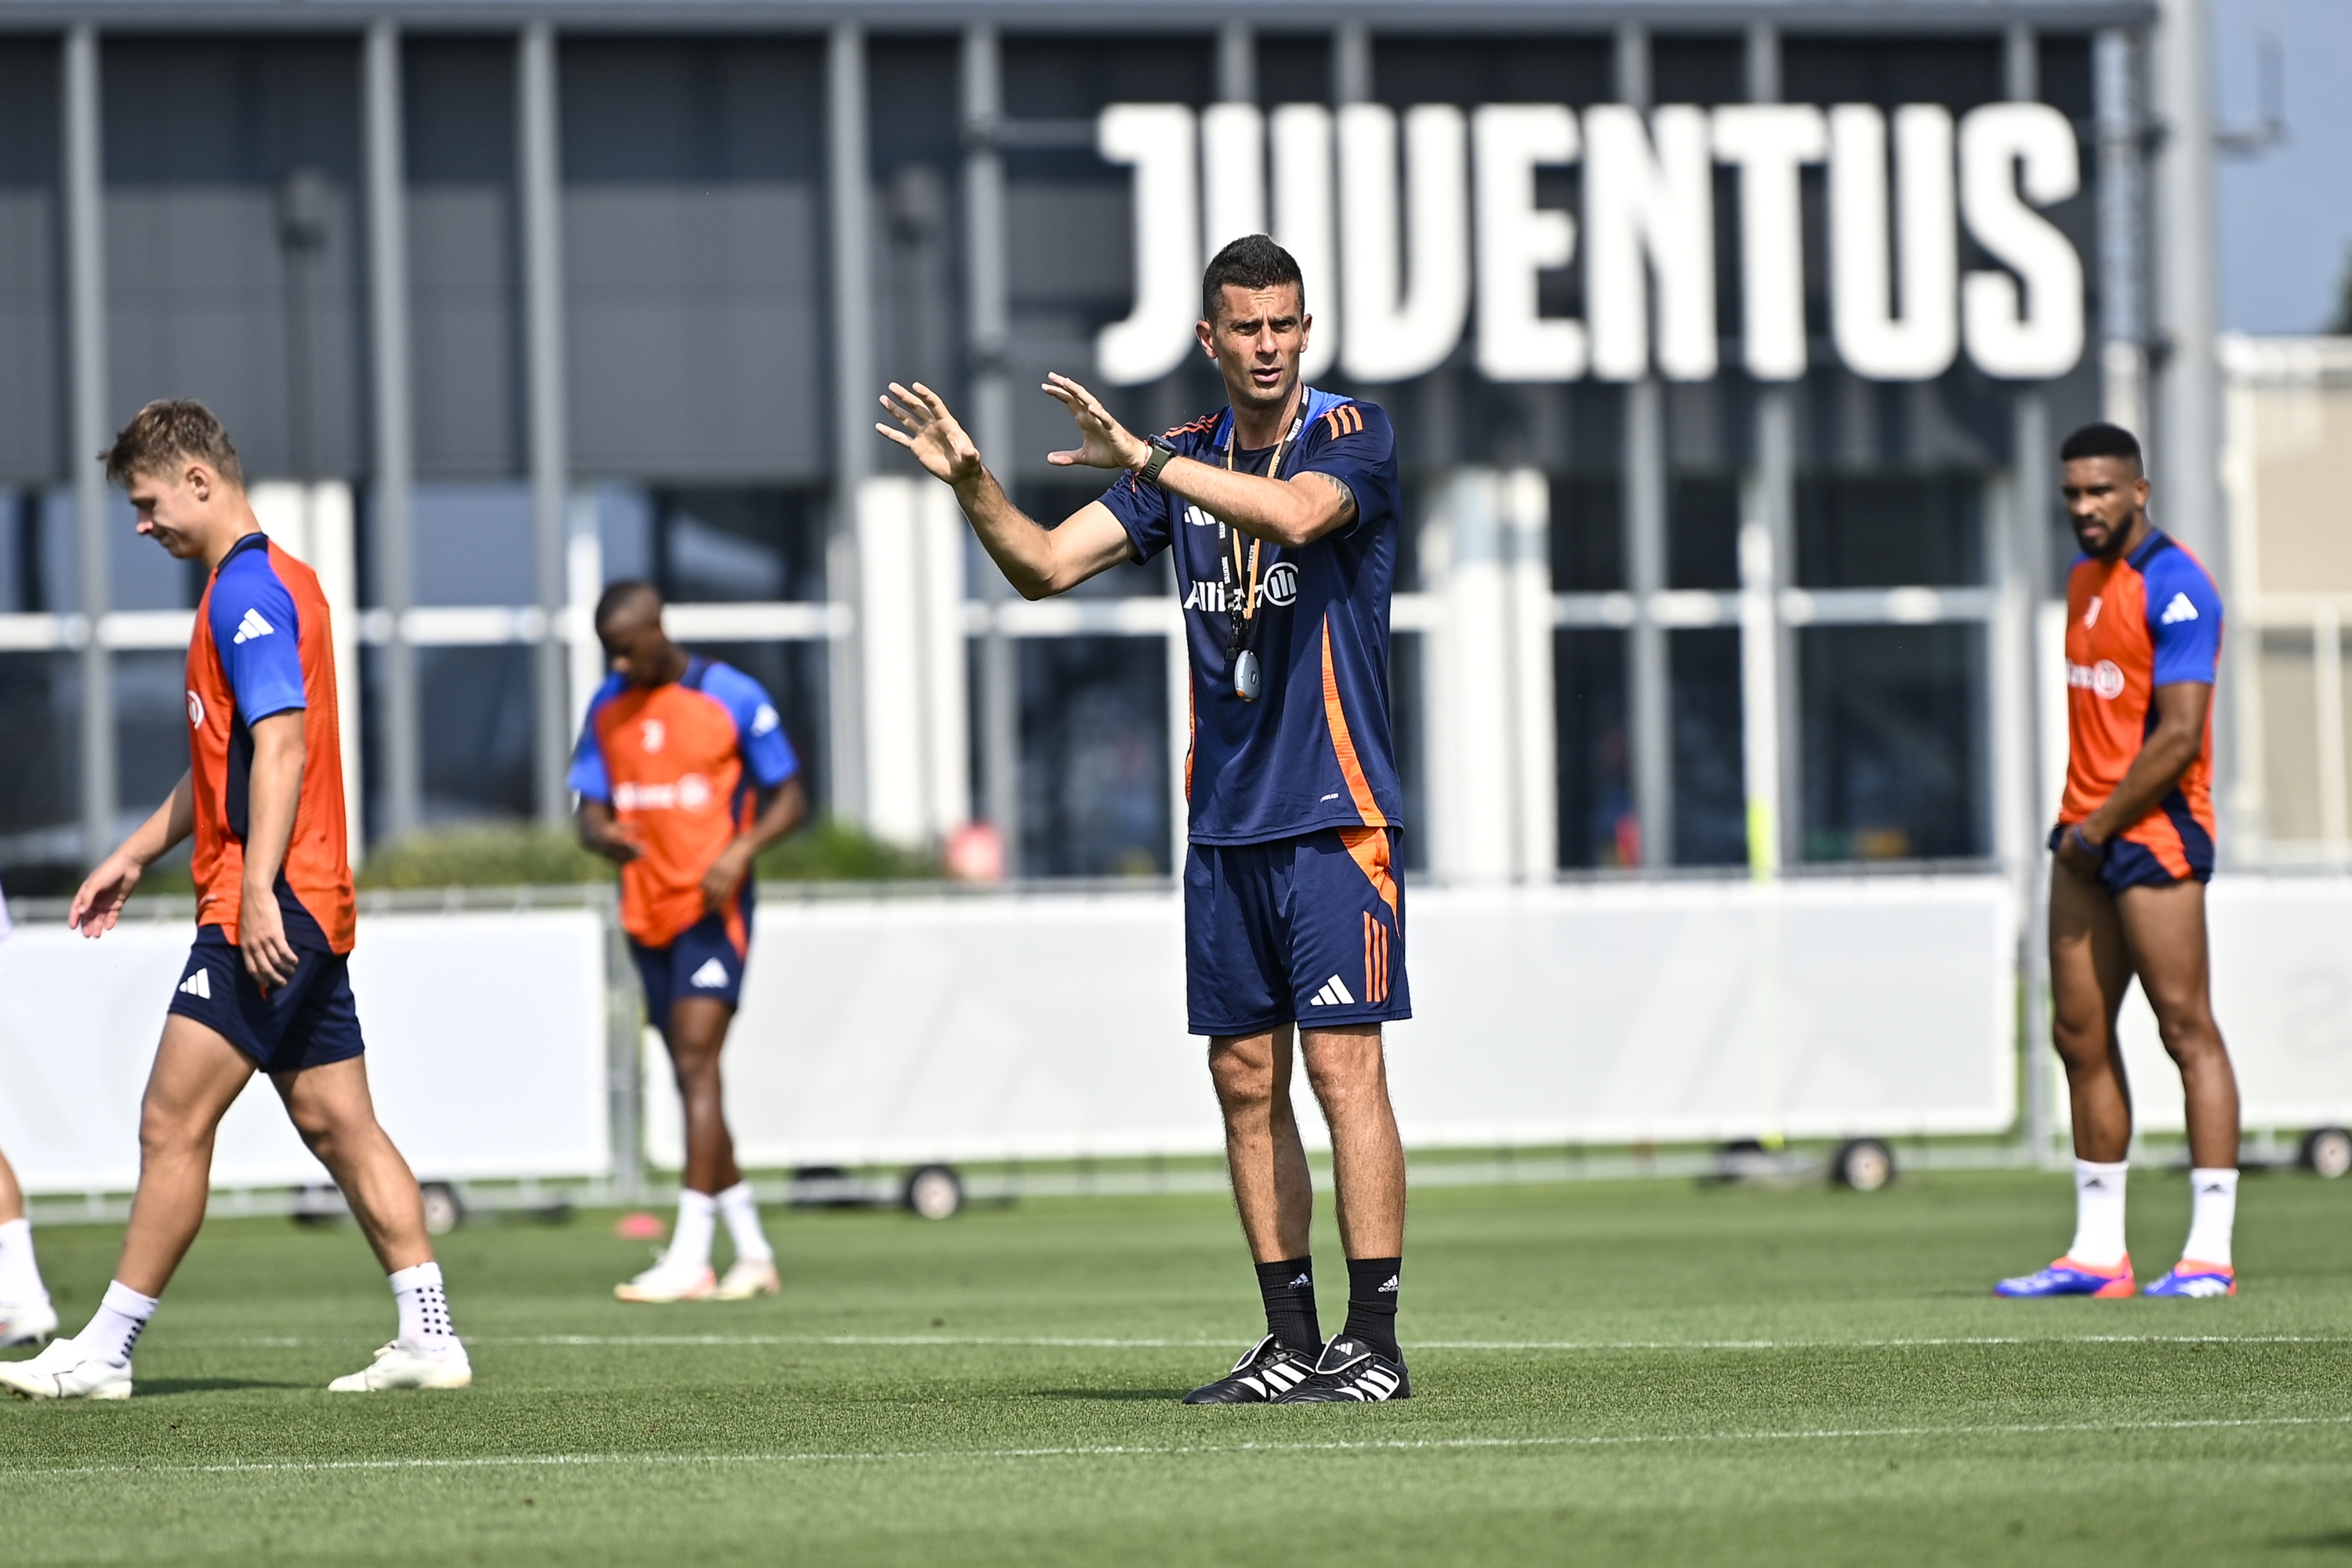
(98, 903)
(1104, 442)
(932, 433)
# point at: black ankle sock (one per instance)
(1373, 1303)
(1288, 1288)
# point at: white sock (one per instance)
(424, 1308)
(114, 1328)
(742, 1213)
(690, 1244)
(2215, 1214)
(20, 1274)
(2098, 1213)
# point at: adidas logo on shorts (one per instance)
(197, 984)
(1334, 994)
(711, 977)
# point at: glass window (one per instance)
(739, 545)
(1094, 757)
(40, 812)
(1890, 530)
(1588, 532)
(1409, 730)
(1893, 761)
(473, 544)
(1710, 795)
(477, 731)
(150, 725)
(1702, 531)
(1597, 825)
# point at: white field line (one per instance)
(566, 1342)
(1153, 1450)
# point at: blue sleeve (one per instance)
(1355, 443)
(259, 638)
(1142, 509)
(2184, 620)
(759, 732)
(588, 778)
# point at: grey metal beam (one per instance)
(2188, 449)
(849, 191)
(1236, 62)
(85, 215)
(1351, 63)
(537, 184)
(2122, 228)
(1776, 480)
(392, 519)
(1649, 677)
(988, 332)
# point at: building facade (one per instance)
(1728, 345)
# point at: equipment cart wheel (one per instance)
(2328, 1151)
(934, 1192)
(1865, 1164)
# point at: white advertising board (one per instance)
(921, 1029)
(486, 1050)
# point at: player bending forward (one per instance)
(266, 986)
(2134, 847)
(1280, 512)
(676, 753)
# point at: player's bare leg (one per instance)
(335, 1114)
(1272, 1191)
(2090, 968)
(712, 1186)
(2166, 928)
(27, 1317)
(1348, 1069)
(198, 1076)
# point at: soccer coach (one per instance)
(1280, 512)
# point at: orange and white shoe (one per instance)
(747, 1278)
(667, 1282)
(2068, 1276)
(2192, 1279)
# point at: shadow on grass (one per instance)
(1113, 1394)
(153, 1387)
(2326, 1540)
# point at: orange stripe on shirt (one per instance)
(1343, 744)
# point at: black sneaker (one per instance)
(1266, 1372)
(1350, 1369)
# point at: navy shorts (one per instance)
(703, 960)
(1308, 931)
(307, 1022)
(2125, 864)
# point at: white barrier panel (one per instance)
(919, 1029)
(2283, 994)
(486, 1050)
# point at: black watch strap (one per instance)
(1161, 452)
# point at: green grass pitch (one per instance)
(1637, 1372)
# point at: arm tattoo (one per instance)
(1347, 496)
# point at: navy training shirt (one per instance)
(1315, 750)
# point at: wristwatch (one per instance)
(1161, 452)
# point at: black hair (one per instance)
(2102, 441)
(623, 595)
(1253, 261)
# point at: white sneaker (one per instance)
(401, 1366)
(748, 1277)
(66, 1371)
(26, 1323)
(664, 1282)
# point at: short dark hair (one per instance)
(622, 595)
(170, 430)
(1253, 261)
(2102, 440)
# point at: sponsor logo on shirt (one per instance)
(1199, 519)
(764, 720)
(2180, 610)
(2103, 677)
(252, 626)
(1278, 587)
(1281, 585)
(2091, 615)
(651, 736)
(195, 712)
(691, 792)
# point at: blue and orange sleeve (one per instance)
(768, 754)
(1352, 442)
(2184, 620)
(589, 779)
(258, 637)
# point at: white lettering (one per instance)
(2103, 677)
(1769, 144)
(1878, 336)
(2037, 331)
(1517, 239)
(1661, 204)
(1281, 585)
(1395, 334)
(1306, 219)
(1158, 139)
(1233, 175)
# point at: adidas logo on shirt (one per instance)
(711, 977)
(1334, 994)
(196, 985)
(253, 626)
(2180, 610)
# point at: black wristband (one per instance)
(1161, 452)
